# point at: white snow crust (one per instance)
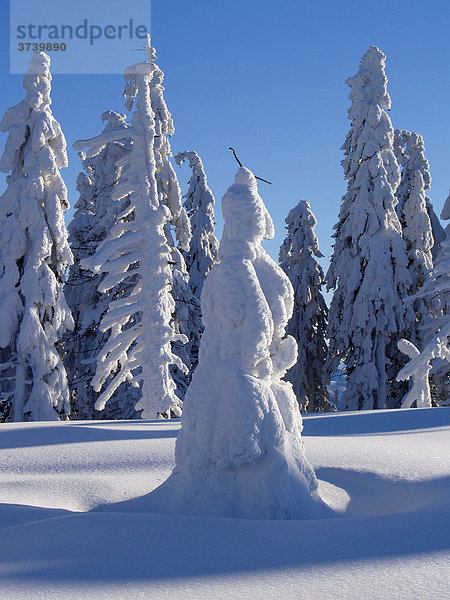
(386, 473)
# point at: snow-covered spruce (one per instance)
(368, 270)
(416, 228)
(95, 215)
(34, 255)
(423, 234)
(186, 316)
(239, 452)
(199, 203)
(436, 353)
(192, 266)
(136, 249)
(308, 323)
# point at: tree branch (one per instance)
(240, 164)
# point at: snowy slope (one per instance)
(386, 471)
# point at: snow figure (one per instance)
(199, 203)
(34, 255)
(239, 452)
(136, 251)
(436, 351)
(308, 323)
(368, 269)
(95, 215)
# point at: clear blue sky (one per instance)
(267, 77)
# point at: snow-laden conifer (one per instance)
(199, 204)
(368, 270)
(34, 255)
(423, 235)
(308, 324)
(239, 452)
(95, 215)
(436, 352)
(136, 251)
(178, 234)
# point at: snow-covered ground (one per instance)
(386, 472)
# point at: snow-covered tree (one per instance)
(34, 255)
(136, 252)
(199, 204)
(95, 215)
(191, 268)
(308, 323)
(416, 228)
(239, 452)
(186, 316)
(409, 150)
(436, 352)
(423, 235)
(368, 270)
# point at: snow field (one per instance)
(389, 476)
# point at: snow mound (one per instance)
(239, 452)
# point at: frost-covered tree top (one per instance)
(199, 204)
(368, 269)
(298, 259)
(34, 252)
(139, 347)
(239, 452)
(169, 193)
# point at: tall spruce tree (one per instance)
(95, 215)
(419, 226)
(435, 356)
(196, 262)
(308, 323)
(368, 269)
(186, 316)
(139, 347)
(34, 255)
